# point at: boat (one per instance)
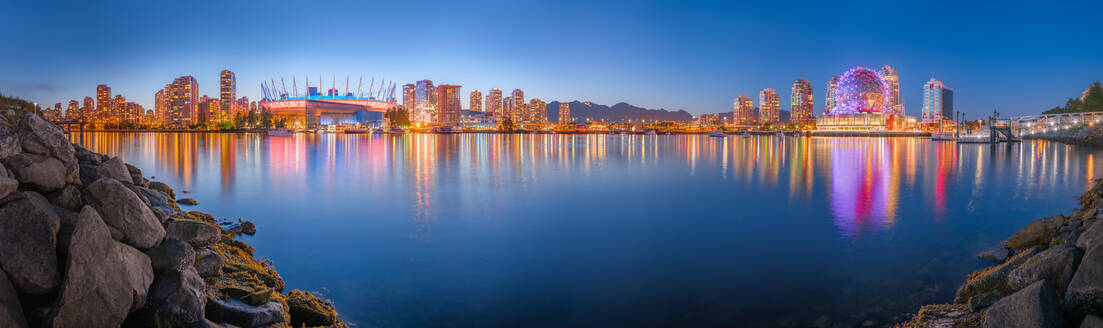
(447, 130)
(974, 138)
(780, 133)
(378, 131)
(396, 131)
(942, 137)
(356, 131)
(651, 133)
(281, 133)
(718, 134)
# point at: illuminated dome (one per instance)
(860, 90)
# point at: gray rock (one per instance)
(104, 279)
(1036, 233)
(995, 256)
(196, 233)
(133, 169)
(139, 180)
(86, 156)
(1092, 321)
(1085, 292)
(240, 314)
(158, 202)
(44, 138)
(9, 145)
(11, 312)
(163, 188)
(1056, 264)
(8, 186)
(992, 279)
(1033, 306)
(37, 172)
(28, 243)
(187, 201)
(171, 255)
(67, 198)
(113, 168)
(123, 210)
(982, 301)
(176, 299)
(208, 262)
(1093, 233)
(87, 173)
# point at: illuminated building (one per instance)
(183, 101)
(425, 102)
(861, 103)
(743, 111)
(517, 106)
(710, 120)
(73, 112)
(133, 113)
(208, 110)
(53, 113)
(308, 108)
(449, 107)
(564, 113)
(507, 108)
(829, 101)
(538, 111)
(938, 102)
(892, 91)
(476, 101)
(800, 106)
(494, 102)
(103, 103)
(408, 95)
(768, 106)
(87, 109)
(118, 109)
(160, 104)
(227, 94)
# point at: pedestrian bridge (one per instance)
(1034, 124)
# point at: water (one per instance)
(596, 230)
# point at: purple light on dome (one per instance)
(860, 90)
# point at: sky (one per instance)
(1013, 56)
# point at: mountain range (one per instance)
(580, 111)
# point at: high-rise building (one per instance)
(768, 106)
(517, 110)
(425, 104)
(507, 108)
(133, 113)
(743, 110)
(183, 100)
(103, 103)
(118, 109)
(88, 108)
(73, 112)
(829, 101)
(476, 101)
(938, 102)
(494, 102)
(564, 113)
(892, 93)
(408, 95)
(227, 94)
(208, 110)
(160, 104)
(800, 106)
(538, 111)
(449, 107)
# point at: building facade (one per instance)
(475, 102)
(800, 105)
(183, 101)
(538, 111)
(449, 107)
(517, 110)
(564, 113)
(938, 102)
(73, 112)
(408, 95)
(87, 109)
(743, 110)
(768, 106)
(227, 95)
(103, 103)
(425, 102)
(494, 102)
(892, 92)
(829, 101)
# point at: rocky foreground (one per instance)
(1049, 274)
(87, 241)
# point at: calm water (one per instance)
(551, 231)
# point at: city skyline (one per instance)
(649, 65)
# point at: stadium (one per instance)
(311, 108)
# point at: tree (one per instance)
(506, 126)
(1093, 101)
(251, 119)
(266, 119)
(398, 117)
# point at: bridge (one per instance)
(1035, 124)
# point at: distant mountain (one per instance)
(581, 111)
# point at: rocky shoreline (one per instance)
(87, 241)
(1048, 274)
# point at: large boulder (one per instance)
(164, 188)
(992, 279)
(67, 198)
(1092, 235)
(11, 312)
(1092, 321)
(196, 233)
(104, 279)
(309, 310)
(86, 156)
(171, 255)
(37, 172)
(123, 210)
(1036, 233)
(996, 256)
(1056, 264)
(113, 168)
(1085, 291)
(28, 243)
(7, 186)
(39, 136)
(9, 144)
(176, 299)
(1035, 306)
(208, 262)
(157, 201)
(236, 313)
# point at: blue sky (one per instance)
(1019, 57)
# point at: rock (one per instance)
(133, 170)
(28, 243)
(44, 138)
(1092, 235)
(176, 299)
(258, 298)
(944, 316)
(982, 301)
(87, 173)
(993, 278)
(8, 186)
(1036, 233)
(240, 314)
(248, 228)
(113, 168)
(187, 201)
(1056, 264)
(196, 233)
(104, 279)
(85, 156)
(37, 172)
(1092, 321)
(157, 201)
(1085, 291)
(163, 188)
(11, 312)
(309, 310)
(996, 256)
(139, 180)
(1033, 306)
(9, 145)
(208, 262)
(67, 198)
(123, 210)
(171, 255)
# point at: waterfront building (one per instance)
(892, 90)
(449, 107)
(743, 111)
(938, 102)
(829, 101)
(227, 94)
(861, 103)
(160, 104)
(425, 102)
(768, 103)
(88, 108)
(408, 96)
(118, 109)
(494, 102)
(507, 109)
(709, 120)
(476, 101)
(517, 110)
(103, 103)
(800, 106)
(564, 113)
(73, 112)
(183, 101)
(538, 111)
(133, 113)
